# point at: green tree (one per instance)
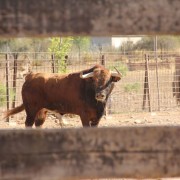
(81, 44)
(39, 44)
(14, 45)
(24, 44)
(3, 95)
(168, 43)
(146, 43)
(3, 45)
(127, 46)
(121, 67)
(164, 43)
(60, 47)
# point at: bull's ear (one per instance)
(115, 78)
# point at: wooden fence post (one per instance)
(108, 107)
(7, 82)
(103, 61)
(53, 63)
(146, 85)
(65, 62)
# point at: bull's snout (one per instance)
(100, 96)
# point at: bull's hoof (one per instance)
(62, 123)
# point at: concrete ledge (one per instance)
(90, 17)
(126, 152)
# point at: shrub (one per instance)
(36, 63)
(121, 67)
(132, 87)
(87, 57)
(3, 99)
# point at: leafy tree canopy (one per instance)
(24, 45)
(82, 43)
(163, 42)
(61, 47)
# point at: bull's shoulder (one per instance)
(34, 75)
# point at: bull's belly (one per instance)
(63, 108)
(78, 108)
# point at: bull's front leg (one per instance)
(94, 122)
(85, 119)
(91, 117)
(88, 121)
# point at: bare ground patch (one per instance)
(168, 118)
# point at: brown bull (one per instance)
(83, 93)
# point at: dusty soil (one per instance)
(169, 117)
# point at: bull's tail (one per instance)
(14, 111)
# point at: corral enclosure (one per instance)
(89, 153)
(139, 69)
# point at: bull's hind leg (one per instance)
(33, 103)
(40, 117)
(29, 120)
(31, 116)
(34, 115)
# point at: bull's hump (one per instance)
(47, 76)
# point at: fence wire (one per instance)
(149, 83)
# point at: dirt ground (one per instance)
(169, 118)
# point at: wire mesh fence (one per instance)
(151, 81)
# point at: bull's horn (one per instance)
(116, 74)
(88, 75)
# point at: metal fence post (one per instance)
(15, 55)
(157, 75)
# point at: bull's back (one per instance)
(63, 87)
(54, 91)
(64, 93)
(34, 82)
